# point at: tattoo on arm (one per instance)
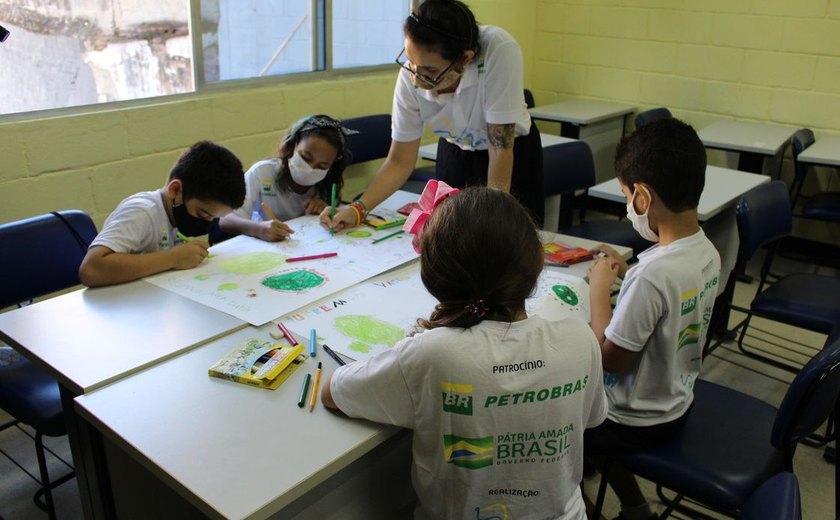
(501, 136)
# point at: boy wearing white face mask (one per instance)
(651, 345)
(311, 158)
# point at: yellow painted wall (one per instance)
(763, 60)
(767, 60)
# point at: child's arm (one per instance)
(326, 394)
(268, 230)
(314, 206)
(102, 266)
(602, 275)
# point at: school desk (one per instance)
(824, 152)
(193, 445)
(761, 146)
(599, 123)
(429, 151)
(91, 337)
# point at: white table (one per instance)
(599, 123)
(754, 141)
(429, 151)
(723, 188)
(824, 152)
(91, 337)
(230, 450)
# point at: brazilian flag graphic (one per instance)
(689, 335)
(468, 453)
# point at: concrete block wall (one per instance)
(91, 161)
(762, 60)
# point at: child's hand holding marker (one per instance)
(190, 254)
(606, 251)
(275, 229)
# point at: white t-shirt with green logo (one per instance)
(261, 186)
(662, 311)
(139, 224)
(490, 91)
(498, 413)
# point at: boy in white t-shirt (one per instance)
(652, 343)
(498, 401)
(147, 232)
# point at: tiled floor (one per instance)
(725, 366)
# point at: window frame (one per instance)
(322, 43)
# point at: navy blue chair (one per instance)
(731, 442)
(806, 300)
(40, 255)
(776, 499)
(654, 114)
(568, 168)
(824, 205)
(373, 139)
(529, 99)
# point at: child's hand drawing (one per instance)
(189, 255)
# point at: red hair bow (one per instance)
(434, 192)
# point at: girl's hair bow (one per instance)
(434, 192)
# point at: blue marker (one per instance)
(312, 352)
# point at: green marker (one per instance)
(182, 236)
(386, 237)
(332, 210)
(303, 390)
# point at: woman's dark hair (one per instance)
(444, 26)
(332, 132)
(480, 256)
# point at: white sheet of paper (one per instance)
(251, 280)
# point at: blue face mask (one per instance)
(189, 225)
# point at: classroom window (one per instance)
(78, 52)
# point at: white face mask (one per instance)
(302, 173)
(640, 222)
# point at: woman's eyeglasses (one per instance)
(402, 61)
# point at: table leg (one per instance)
(750, 162)
(88, 461)
(570, 130)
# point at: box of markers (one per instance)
(260, 363)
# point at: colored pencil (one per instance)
(314, 396)
(303, 390)
(386, 237)
(268, 212)
(332, 210)
(311, 257)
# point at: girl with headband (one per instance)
(311, 158)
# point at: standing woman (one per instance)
(465, 82)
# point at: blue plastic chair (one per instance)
(806, 300)
(824, 205)
(731, 442)
(373, 139)
(40, 255)
(654, 114)
(776, 499)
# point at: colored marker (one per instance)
(332, 209)
(182, 236)
(268, 211)
(303, 390)
(314, 396)
(386, 237)
(289, 337)
(391, 225)
(333, 355)
(312, 352)
(311, 257)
